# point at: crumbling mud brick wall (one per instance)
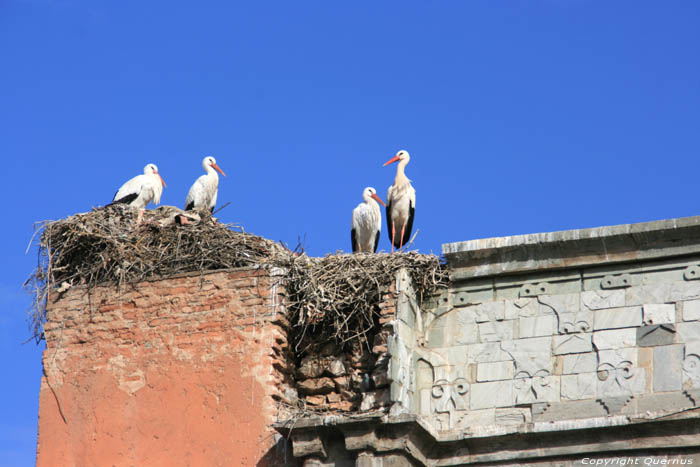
(180, 371)
(352, 377)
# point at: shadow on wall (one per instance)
(280, 455)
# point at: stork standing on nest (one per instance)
(366, 223)
(400, 203)
(141, 190)
(202, 194)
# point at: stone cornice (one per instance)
(574, 248)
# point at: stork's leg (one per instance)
(393, 234)
(403, 228)
(139, 218)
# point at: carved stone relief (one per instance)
(691, 371)
(449, 397)
(617, 374)
(536, 387)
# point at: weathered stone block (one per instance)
(536, 326)
(494, 371)
(514, 416)
(669, 402)
(571, 410)
(615, 338)
(493, 394)
(456, 355)
(668, 368)
(475, 418)
(615, 318)
(651, 293)
(496, 331)
(572, 343)
(579, 386)
(490, 311)
(684, 291)
(599, 299)
(658, 334)
(688, 332)
(691, 310)
(489, 352)
(465, 331)
(579, 363)
(530, 355)
(523, 307)
(563, 303)
(659, 313)
(436, 337)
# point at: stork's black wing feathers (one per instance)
(353, 239)
(126, 199)
(409, 226)
(388, 218)
(190, 206)
(376, 241)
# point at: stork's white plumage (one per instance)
(400, 203)
(142, 189)
(366, 223)
(204, 190)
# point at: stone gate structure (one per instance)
(564, 348)
(567, 348)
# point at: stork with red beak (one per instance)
(366, 223)
(400, 203)
(141, 190)
(204, 190)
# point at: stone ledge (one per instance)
(528, 443)
(573, 248)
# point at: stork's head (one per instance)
(370, 192)
(152, 169)
(400, 156)
(211, 162)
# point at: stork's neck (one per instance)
(401, 177)
(211, 172)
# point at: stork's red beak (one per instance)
(374, 195)
(391, 161)
(218, 169)
(161, 179)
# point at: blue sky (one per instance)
(520, 117)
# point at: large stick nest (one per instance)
(333, 298)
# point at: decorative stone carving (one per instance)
(535, 387)
(448, 397)
(692, 273)
(616, 374)
(614, 405)
(616, 282)
(566, 308)
(691, 371)
(533, 290)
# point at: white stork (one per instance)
(400, 203)
(142, 189)
(202, 194)
(366, 223)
